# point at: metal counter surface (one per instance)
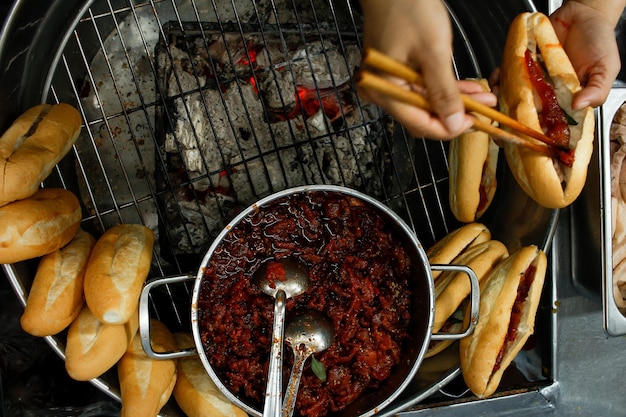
(591, 364)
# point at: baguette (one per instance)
(451, 245)
(38, 225)
(116, 271)
(194, 391)
(146, 384)
(56, 296)
(537, 84)
(93, 347)
(453, 287)
(473, 160)
(509, 298)
(32, 146)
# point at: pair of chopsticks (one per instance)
(384, 64)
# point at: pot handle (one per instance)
(144, 318)
(474, 301)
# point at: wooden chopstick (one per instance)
(381, 62)
(371, 81)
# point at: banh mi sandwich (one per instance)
(537, 84)
(472, 164)
(509, 298)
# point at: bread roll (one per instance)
(93, 347)
(56, 296)
(195, 392)
(509, 299)
(473, 161)
(38, 225)
(453, 287)
(32, 146)
(117, 268)
(532, 39)
(146, 384)
(455, 242)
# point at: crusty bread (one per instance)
(548, 182)
(479, 351)
(56, 295)
(453, 287)
(93, 347)
(116, 271)
(32, 146)
(146, 384)
(472, 164)
(451, 245)
(194, 391)
(38, 225)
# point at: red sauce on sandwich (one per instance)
(551, 117)
(516, 313)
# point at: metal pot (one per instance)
(422, 307)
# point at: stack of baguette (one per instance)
(85, 286)
(510, 290)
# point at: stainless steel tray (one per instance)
(591, 224)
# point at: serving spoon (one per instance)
(309, 332)
(281, 279)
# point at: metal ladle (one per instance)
(307, 333)
(295, 282)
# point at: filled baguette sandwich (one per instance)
(537, 84)
(473, 160)
(509, 298)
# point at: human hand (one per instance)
(586, 31)
(418, 33)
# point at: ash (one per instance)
(248, 117)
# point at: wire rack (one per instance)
(194, 110)
(181, 131)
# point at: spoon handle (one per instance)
(273, 391)
(300, 357)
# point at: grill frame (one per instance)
(98, 218)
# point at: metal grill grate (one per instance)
(181, 130)
(160, 79)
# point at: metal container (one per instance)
(422, 306)
(592, 217)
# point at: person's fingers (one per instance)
(476, 92)
(443, 90)
(597, 81)
(587, 36)
(417, 122)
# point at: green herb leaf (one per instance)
(570, 119)
(318, 369)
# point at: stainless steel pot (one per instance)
(422, 307)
